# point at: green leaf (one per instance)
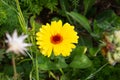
(107, 20)
(87, 5)
(108, 15)
(46, 63)
(64, 77)
(82, 20)
(79, 50)
(96, 30)
(47, 66)
(93, 51)
(81, 61)
(51, 4)
(61, 63)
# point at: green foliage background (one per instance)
(91, 19)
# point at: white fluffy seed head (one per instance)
(16, 43)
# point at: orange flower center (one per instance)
(56, 39)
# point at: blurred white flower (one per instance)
(110, 59)
(16, 43)
(117, 36)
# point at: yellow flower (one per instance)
(56, 38)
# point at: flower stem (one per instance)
(61, 71)
(52, 74)
(14, 67)
(37, 73)
(93, 74)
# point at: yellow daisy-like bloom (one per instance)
(56, 38)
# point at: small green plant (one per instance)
(36, 6)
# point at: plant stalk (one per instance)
(14, 67)
(93, 74)
(37, 72)
(52, 74)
